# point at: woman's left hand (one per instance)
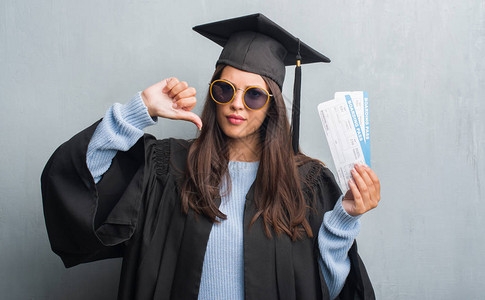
(364, 193)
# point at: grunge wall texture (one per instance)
(64, 62)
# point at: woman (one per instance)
(233, 214)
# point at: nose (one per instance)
(238, 102)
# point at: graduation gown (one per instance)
(135, 212)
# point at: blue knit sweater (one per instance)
(223, 269)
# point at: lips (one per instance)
(235, 119)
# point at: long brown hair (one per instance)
(278, 199)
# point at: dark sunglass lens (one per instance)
(222, 91)
(255, 98)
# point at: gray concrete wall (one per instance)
(63, 63)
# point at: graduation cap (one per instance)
(256, 44)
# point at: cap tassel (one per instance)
(295, 111)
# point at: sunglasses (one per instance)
(223, 92)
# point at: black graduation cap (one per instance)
(256, 44)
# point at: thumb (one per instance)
(190, 116)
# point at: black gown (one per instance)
(134, 212)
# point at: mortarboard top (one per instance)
(256, 44)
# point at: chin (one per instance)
(236, 134)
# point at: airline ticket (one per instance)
(345, 121)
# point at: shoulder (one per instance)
(313, 171)
(166, 146)
(167, 154)
(318, 183)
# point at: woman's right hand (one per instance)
(172, 99)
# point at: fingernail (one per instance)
(175, 105)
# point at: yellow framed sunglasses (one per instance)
(254, 98)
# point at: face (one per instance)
(235, 120)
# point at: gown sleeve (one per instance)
(88, 221)
(357, 285)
